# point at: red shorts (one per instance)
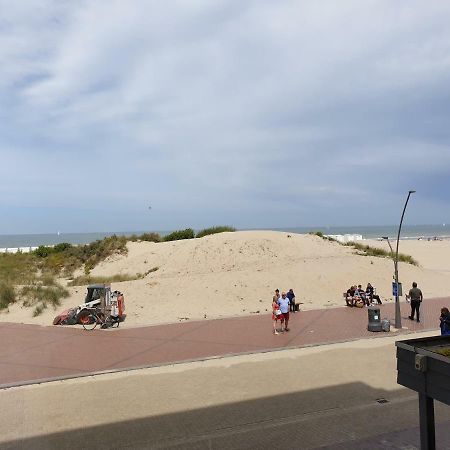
(285, 316)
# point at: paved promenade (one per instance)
(31, 354)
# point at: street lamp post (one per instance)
(386, 238)
(398, 318)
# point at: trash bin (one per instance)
(374, 318)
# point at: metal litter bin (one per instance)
(374, 318)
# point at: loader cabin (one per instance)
(110, 303)
(99, 295)
(96, 292)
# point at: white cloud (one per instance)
(224, 104)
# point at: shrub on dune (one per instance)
(367, 250)
(214, 230)
(7, 295)
(149, 237)
(179, 235)
(118, 278)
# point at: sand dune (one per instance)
(232, 274)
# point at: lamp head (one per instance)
(412, 192)
(385, 238)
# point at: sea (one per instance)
(367, 232)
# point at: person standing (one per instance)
(283, 303)
(275, 315)
(445, 321)
(276, 296)
(291, 296)
(416, 297)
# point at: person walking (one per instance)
(283, 303)
(416, 297)
(276, 314)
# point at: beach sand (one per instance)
(232, 274)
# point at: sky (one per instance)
(150, 115)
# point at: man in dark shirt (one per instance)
(291, 296)
(370, 292)
(416, 297)
(350, 297)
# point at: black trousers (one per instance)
(377, 298)
(415, 307)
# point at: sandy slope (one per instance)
(235, 273)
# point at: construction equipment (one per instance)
(110, 304)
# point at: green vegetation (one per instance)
(67, 258)
(30, 277)
(88, 279)
(41, 293)
(149, 237)
(7, 295)
(321, 235)
(367, 250)
(188, 233)
(214, 230)
(17, 268)
(38, 310)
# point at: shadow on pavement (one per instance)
(343, 416)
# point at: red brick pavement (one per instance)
(32, 354)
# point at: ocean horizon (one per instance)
(367, 232)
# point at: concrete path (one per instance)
(342, 396)
(32, 354)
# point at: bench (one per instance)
(355, 301)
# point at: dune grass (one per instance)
(367, 250)
(67, 257)
(147, 237)
(17, 268)
(89, 279)
(179, 235)
(31, 276)
(43, 292)
(7, 295)
(214, 230)
(321, 235)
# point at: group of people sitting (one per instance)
(357, 296)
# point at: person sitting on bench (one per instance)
(350, 296)
(362, 295)
(370, 293)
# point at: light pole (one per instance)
(386, 238)
(398, 318)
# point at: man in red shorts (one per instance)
(283, 302)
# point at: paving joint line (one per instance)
(267, 424)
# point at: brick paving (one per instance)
(33, 354)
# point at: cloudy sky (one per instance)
(247, 113)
